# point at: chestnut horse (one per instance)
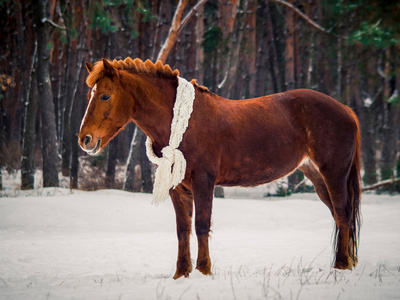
(229, 143)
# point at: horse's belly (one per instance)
(252, 174)
(246, 181)
(261, 152)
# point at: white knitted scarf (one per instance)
(172, 165)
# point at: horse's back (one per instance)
(249, 142)
(318, 107)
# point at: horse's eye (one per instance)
(104, 97)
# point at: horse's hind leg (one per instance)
(339, 209)
(311, 172)
(337, 187)
(182, 199)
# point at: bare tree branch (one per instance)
(380, 184)
(190, 15)
(172, 34)
(44, 20)
(307, 18)
(176, 27)
(297, 186)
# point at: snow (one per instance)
(109, 244)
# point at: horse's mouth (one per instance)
(95, 150)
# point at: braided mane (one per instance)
(134, 66)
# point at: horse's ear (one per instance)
(108, 68)
(89, 67)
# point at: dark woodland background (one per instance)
(238, 49)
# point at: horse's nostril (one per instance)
(88, 139)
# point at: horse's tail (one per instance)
(354, 191)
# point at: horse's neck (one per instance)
(154, 100)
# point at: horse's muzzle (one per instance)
(89, 146)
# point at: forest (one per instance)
(238, 49)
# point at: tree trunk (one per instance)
(49, 131)
(275, 62)
(290, 73)
(199, 48)
(2, 140)
(111, 163)
(75, 119)
(389, 141)
(264, 81)
(138, 156)
(28, 163)
(289, 51)
(250, 50)
(66, 123)
(74, 56)
(74, 169)
(229, 45)
(145, 168)
(390, 128)
(133, 160)
(368, 146)
(322, 70)
(74, 166)
(229, 75)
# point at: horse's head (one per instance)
(109, 107)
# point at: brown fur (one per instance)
(244, 142)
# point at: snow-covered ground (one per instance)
(62, 244)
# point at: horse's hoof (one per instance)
(204, 270)
(183, 268)
(185, 271)
(345, 265)
(353, 262)
(179, 275)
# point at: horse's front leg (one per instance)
(182, 199)
(203, 188)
